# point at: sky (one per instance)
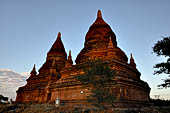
(28, 28)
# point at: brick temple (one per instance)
(56, 76)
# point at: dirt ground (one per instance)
(49, 108)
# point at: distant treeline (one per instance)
(160, 103)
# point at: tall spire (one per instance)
(59, 34)
(58, 47)
(57, 52)
(100, 22)
(132, 62)
(99, 14)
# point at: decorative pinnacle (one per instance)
(99, 14)
(53, 67)
(69, 52)
(59, 34)
(53, 63)
(110, 43)
(34, 67)
(69, 60)
(132, 62)
(33, 72)
(69, 56)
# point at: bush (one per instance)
(160, 103)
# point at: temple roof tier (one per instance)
(97, 41)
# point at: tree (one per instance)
(99, 77)
(2, 98)
(162, 48)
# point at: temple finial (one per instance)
(99, 14)
(59, 34)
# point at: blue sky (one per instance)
(28, 28)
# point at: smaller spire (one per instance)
(33, 72)
(53, 67)
(99, 14)
(69, 60)
(132, 62)
(110, 48)
(69, 57)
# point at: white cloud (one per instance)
(26, 74)
(10, 81)
(5, 70)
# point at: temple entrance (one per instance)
(49, 96)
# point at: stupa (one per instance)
(56, 77)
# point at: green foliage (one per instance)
(162, 48)
(99, 77)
